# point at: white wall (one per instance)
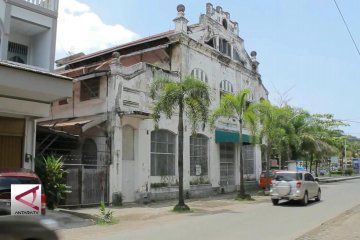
(31, 16)
(41, 50)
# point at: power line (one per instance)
(347, 27)
(348, 120)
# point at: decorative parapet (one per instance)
(223, 18)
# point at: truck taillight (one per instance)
(298, 184)
(43, 204)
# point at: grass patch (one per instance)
(247, 197)
(101, 222)
(181, 208)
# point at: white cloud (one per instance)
(81, 30)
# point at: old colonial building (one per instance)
(28, 85)
(110, 111)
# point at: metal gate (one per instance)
(227, 164)
(89, 184)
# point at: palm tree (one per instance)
(272, 131)
(318, 137)
(188, 96)
(236, 106)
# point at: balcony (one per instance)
(51, 5)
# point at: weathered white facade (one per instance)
(27, 86)
(144, 160)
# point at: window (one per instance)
(288, 177)
(224, 23)
(127, 143)
(0, 40)
(162, 153)
(249, 159)
(198, 155)
(63, 101)
(89, 89)
(199, 74)
(226, 87)
(17, 52)
(309, 177)
(225, 47)
(89, 152)
(211, 42)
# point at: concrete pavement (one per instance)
(139, 212)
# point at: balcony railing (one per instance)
(48, 4)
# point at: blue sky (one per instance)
(303, 47)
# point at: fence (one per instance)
(89, 184)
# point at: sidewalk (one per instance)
(140, 212)
(336, 179)
(345, 227)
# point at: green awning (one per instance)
(225, 136)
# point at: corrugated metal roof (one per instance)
(112, 49)
(69, 122)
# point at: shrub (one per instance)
(52, 175)
(159, 185)
(105, 217)
(348, 171)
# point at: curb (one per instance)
(338, 179)
(78, 214)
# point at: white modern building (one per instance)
(110, 110)
(27, 84)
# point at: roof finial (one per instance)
(180, 20)
(180, 8)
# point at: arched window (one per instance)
(127, 143)
(89, 152)
(198, 155)
(162, 153)
(226, 87)
(224, 23)
(199, 74)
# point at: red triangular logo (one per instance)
(30, 204)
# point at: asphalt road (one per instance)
(255, 221)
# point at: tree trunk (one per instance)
(181, 206)
(280, 163)
(242, 184)
(288, 153)
(268, 156)
(311, 160)
(316, 168)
